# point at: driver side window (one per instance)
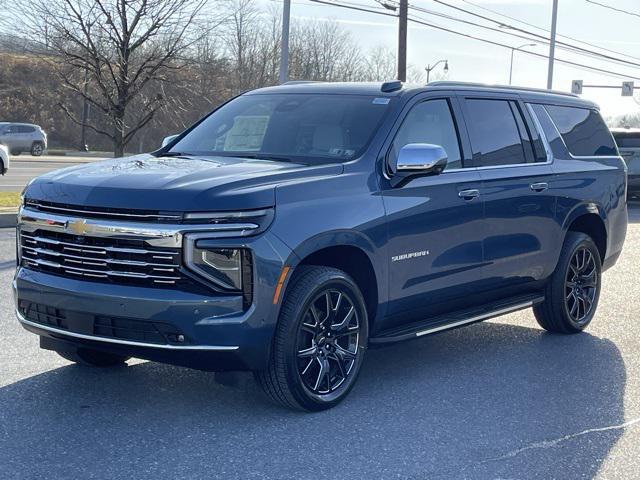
(429, 122)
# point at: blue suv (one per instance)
(296, 226)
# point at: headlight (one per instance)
(222, 266)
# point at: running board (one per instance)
(456, 319)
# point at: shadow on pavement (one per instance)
(439, 407)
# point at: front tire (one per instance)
(572, 294)
(320, 341)
(94, 358)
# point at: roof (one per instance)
(375, 88)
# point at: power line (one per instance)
(616, 9)
(563, 45)
(500, 14)
(484, 40)
(531, 37)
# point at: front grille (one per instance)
(102, 326)
(104, 213)
(101, 259)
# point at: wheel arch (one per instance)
(350, 252)
(590, 220)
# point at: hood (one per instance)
(145, 182)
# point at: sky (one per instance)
(470, 60)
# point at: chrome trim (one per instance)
(169, 235)
(477, 318)
(106, 214)
(97, 273)
(85, 248)
(115, 261)
(95, 338)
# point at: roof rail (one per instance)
(446, 83)
(297, 82)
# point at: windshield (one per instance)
(290, 127)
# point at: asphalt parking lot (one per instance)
(501, 399)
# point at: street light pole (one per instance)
(284, 42)
(428, 68)
(552, 45)
(513, 49)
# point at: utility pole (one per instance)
(402, 40)
(552, 45)
(284, 42)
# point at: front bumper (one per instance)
(218, 332)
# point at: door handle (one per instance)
(469, 194)
(539, 187)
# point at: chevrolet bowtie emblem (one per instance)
(77, 227)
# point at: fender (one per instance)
(342, 238)
(584, 209)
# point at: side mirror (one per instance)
(418, 160)
(167, 140)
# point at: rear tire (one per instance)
(319, 343)
(94, 358)
(37, 149)
(571, 295)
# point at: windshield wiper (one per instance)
(261, 157)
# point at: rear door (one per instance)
(434, 223)
(521, 236)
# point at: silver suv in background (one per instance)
(628, 140)
(23, 137)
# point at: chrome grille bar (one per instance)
(161, 235)
(98, 273)
(115, 261)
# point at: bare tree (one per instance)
(114, 54)
(380, 65)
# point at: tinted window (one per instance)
(429, 122)
(307, 128)
(494, 134)
(583, 131)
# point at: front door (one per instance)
(434, 223)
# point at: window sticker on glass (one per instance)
(380, 101)
(247, 133)
(341, 152)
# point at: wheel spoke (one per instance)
(306, 369)
(323, 372)
(308, 352)
(344, 354)
(345, 322)
(348, 332)
(335, 357)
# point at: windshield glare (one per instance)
(291, 127)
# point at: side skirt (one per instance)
(456, 319)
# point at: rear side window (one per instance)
(496, 133)
(583, 131)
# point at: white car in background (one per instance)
(4, 159)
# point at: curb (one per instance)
(8, 220)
